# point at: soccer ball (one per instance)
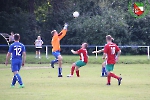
(76, 14)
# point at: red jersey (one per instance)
(111, 49)
(83, 55)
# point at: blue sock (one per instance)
(19, 79)
(54, 61)
(103, 71)
(14, 80)
(59, 71)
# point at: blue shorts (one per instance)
(16, 65)
(56, 54)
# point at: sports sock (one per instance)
(14, 80)
(77, 72)
(103, 71)
(108, 78)
(54, 61)
(18, 77)
(114, 76)
(59, 71)
(72, 70)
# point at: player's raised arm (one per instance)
(63, 32)
(74, 52)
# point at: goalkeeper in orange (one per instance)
(56, 48)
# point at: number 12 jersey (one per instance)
(17, 50)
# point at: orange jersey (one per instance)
(56, 40)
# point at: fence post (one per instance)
(96, 51)
(46, 51)
(148, 52)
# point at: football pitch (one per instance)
(41, 83)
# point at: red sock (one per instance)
(108, 78)
(114, 76)
(77, 72)
(72, 70)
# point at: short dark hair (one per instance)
(109, 37)
(16, 37)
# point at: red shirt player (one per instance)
(110, 51)
(83, 59)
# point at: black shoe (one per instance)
(108, 84)
(119, 81)
(52, 65)
(60, 76)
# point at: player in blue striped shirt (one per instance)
(18, 50)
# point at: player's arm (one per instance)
(99, 51)
(24, 55)
(74, 52)
(105, 52)
(104, 55)
(9, 38)
(35, 42)
(8, 54)
(41, 43)
(63, 32)
(118, 55)
(23, 58)
(7, 57)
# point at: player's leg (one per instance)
(18, 75)
(36, 53)
(104, 73)
(55, 54)
(72, 70)
(115, 76)
(13, 68)
(14, 79)
(16, 65)
(78, 65)
(39, 53)
(77, 71)
(108, 68)
(105, 68)
(60, 66)
(110, 74)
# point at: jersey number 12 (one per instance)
(18, 51)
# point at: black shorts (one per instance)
(38, 49)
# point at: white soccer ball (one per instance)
(76, 14)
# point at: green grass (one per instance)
(42, 83)
(139, 59)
